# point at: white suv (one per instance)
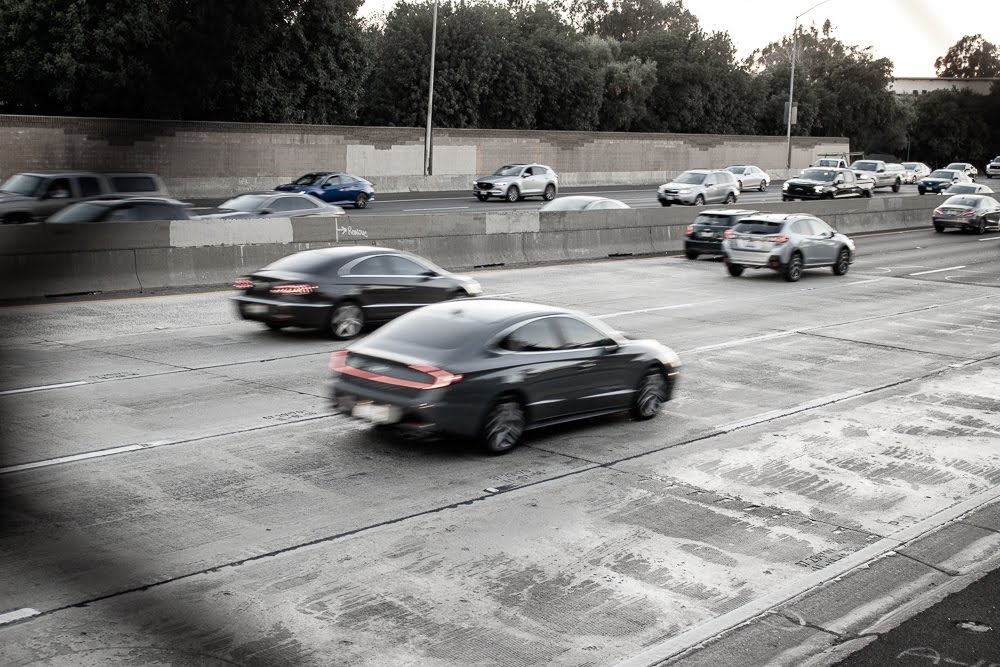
(993, 168)
(516, 181)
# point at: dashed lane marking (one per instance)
(43, 387)
(17, 615)
(950, 268)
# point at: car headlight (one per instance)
(784, 186)
(684, 192)
(474, 288)
(818, 188)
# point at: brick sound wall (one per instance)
(207, 159)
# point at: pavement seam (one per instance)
(886, 346)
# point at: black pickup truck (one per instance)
(824, 183)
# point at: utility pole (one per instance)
(428, 159)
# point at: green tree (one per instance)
(950, 125)
(970, 57)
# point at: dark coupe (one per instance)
(490, 369)
(704, 235)
(343, 288)
(975, 213)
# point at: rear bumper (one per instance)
(953, 223)
(427, 412)
(703, 245)
(272, 311)
(754, 260)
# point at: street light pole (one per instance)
(791, 81)
(428, 163)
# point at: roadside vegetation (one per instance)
(610, 65)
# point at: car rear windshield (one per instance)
(759, 227)
(430, 331)
(722, 219)
(568, 204)
(957, 166)
(960, 189)
(691, 177)
(303, 262)
(909, 165)
(80, 213)
(21, 184)
(865, 166)
(963, 200)
(819, 174)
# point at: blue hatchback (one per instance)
(334, 187)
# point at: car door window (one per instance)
(402, 266)
(59, 189)
(800, 227)
(541, 171)
(819, 227)
(336, 179)
(290, 204)
(157, 211)
(536, 336)
(373, 266)
(528, 172)
(122, 214)
(577, 335)
(89, 186)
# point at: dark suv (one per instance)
(704, 235)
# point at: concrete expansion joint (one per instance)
(886, 346)
(943, 570)
(989, 529)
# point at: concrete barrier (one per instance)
(42, 260)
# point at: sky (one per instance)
(910, 33)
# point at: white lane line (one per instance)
(439, 208)
(992, 238)
(68, 459)
(700, 634)
(743, 341)
(654, 309)
(17, 615)
(924, 273)
(43, 387)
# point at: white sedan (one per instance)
(749, 177)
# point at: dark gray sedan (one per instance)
(271, 204)
(490, 369)
(976, 213)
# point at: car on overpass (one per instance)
(786, 243)
(333, 187)
(704, 235)
(941, 179)
(583, 203)
(270, 204)
(825, 183)
(126, 209)
(491, 369)
(975, 213)
(342, 289)
(969, 169)
(750, 177)
(697, 187)
(967, 189)
(993, 168)
(513, 182)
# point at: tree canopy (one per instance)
(970, 57)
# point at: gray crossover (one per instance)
(786, 243)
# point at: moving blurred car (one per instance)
(697, 187)
(583, 203)
(333, 187)
(967, 212)
(826, 183)
(276, 204)
(341, 289)
(786, 243)
(704, 235)
(969, 169)
(513, 182)
(915, 171)
(993, 168)
(491, 369)
(749, 177)
(967, 189)
(129, 209)
(941, 179)
(37, 195)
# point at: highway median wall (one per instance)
(47, 260)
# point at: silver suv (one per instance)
(700, 186)
(513, 182)
(37, 195)
(786, 243)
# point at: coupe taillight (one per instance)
(294, 288)
(243, 283)
(967, 214)
(938, 211)
(689, 230)
(440, 377)
(338, 360)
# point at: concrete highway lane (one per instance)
(177, 491)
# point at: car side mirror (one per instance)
(610, 347)
(265, 211)
(881, 170)
(326, 185)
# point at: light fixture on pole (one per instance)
(791, 84)
(428, 164)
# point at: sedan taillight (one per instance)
(440, 378)
(294, 288)
(689, 230)
(729, 233)
(243, 283)
(967, 214)
(938, 211)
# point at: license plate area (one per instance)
(751, 244)
(377, 413)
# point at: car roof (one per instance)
(493, 310)
(346, 253)
(728, 211)
(777, 217)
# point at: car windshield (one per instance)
(759, 227)
(246, 203)
(736, 170)
(21, 184)
(942, 173)
(819, 174)
(963, 200)
(85, 212)
(910, 165)
(308, 179)
(691, 177)
(508, 170)
(864, 166)
(957, 166)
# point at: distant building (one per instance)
(906, 85)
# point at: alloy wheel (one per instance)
(794, 269)
(650, 395)
(843, 264)
(504, 426)
(347, 321)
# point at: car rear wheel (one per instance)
(550, 192)
(650, 394)
(503, 427)
(981, 226)
(763, 186)
(691, 254)
(482, 197)
(361, 201)
(513, 194)
(699, 201)
(895, 186)
(664, 203)
(793, 270)
(730, 198)
(939, 229)
(843, 264)
(347, 320)
(735, 270)
(921, 190)
(867, 194)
